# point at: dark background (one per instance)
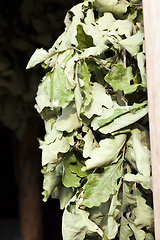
(24, 26)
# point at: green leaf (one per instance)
(58, 90)
(133, 43)
(100, 186)
(69, 120)
(50, 152)
(119, 78)
(76, 165)
(149, 236)
(69, 179)
(100, 98)
(84, 40)
(106, 153)
(124, 120)
(76, 225)
(146, 182)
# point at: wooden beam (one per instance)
(151, 12)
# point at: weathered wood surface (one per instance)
(151, 10)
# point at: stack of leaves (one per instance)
(96, 154)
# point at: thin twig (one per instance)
(99, 62)
(122, 98)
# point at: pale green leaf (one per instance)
(70, 136)
(146, 182)
(100, 98)
(138, 233)
(63, 58)
(99, 37)
(69, 120)
(39, 56)
(95, 215)
(49, 123)
(78, 92)
(90, 142)
(128, 198)
(133, 43)
(50, 152)
(118, 111)
(112, 228)
(42, 98)
(106, 22)
(118, 8)
(52, 135)
(67, 38)
(65, 194)
(94, 51)
(124, 27)
(69, 71)
(124, 121)
(100, 186)
(106, 114)
(113, 212)
(144, 214)
(89, 18)
(149, 236)
(76, 225)
(106, 153)
(141, 153)
(51, 181)
(86, 88)
(141, 61)
(125, 230)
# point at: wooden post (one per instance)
(29, 179)
(151, 12)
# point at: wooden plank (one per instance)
(151, 11)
